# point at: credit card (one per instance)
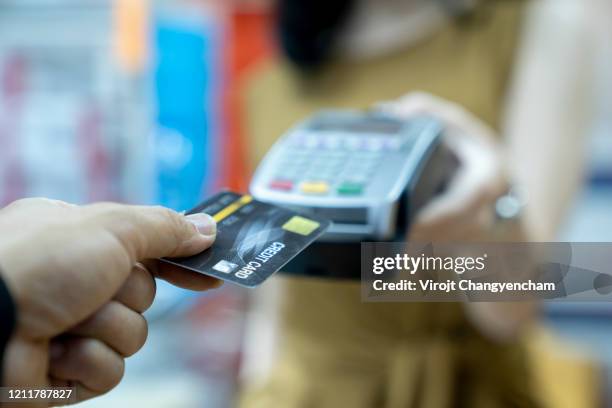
(254, 239)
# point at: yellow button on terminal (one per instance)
(315, 187)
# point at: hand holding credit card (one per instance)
(254, 239)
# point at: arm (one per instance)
(547, 119)
(549, 109)
(7, 319)
(546, 122)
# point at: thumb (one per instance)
(156, 232)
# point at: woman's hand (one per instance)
(81, 276)
(465, 210)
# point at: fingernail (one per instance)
(56, 350)
(204, 223)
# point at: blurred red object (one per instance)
(249, 41)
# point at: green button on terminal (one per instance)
(350, 189)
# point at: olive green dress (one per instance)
(336, 351)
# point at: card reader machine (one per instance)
(367, 172)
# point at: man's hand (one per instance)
(81, 277)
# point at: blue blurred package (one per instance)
(187, 91)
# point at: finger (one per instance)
(138, 291)
(476, 227)
(447, 222)
(477, 183)
(155, 232)
(87, 361)
(182, 277)
(40, 202)
(451, 113)
(116, 325)
(413, 103)
(456, 205)
(82, 393)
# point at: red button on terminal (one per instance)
(283, 185)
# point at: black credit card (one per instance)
(254, 239)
